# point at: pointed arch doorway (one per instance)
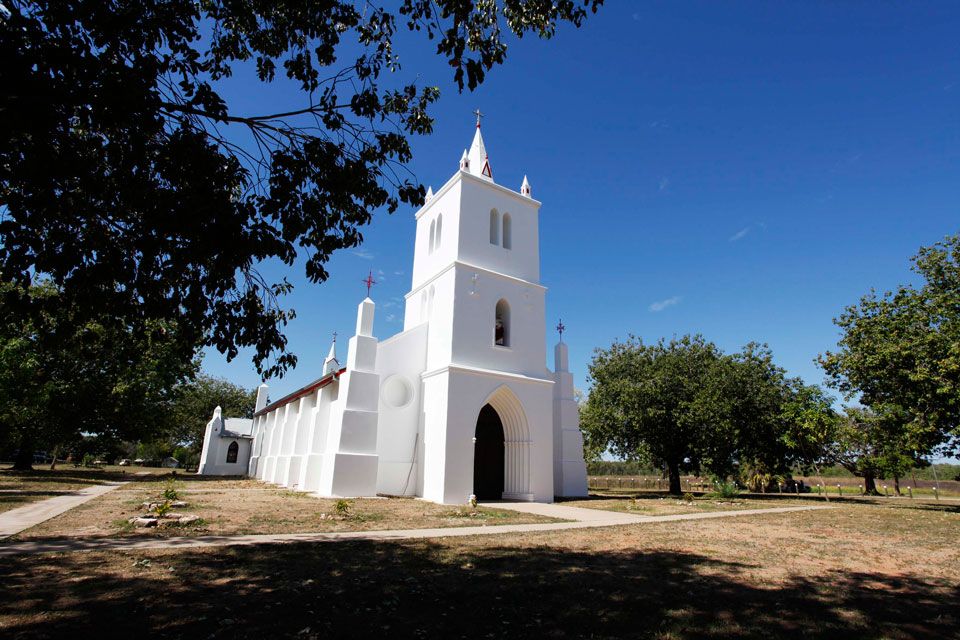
(488, 455)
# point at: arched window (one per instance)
(433, 234)
(501, 324)
(430, 301)
(439, 231)
(494, 227)
(507, 231)
(232, 452)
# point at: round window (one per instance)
(397, 391)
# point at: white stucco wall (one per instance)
(400, 361)
(213, 455)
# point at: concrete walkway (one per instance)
(29, 515)
(579, 518)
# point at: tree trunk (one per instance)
(53, 465)
(673, 468)
(870, 485)
(24, 461)
(896, 484)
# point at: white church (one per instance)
(460, 404)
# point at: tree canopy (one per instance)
(689, 406)
(128, 179)
(195, 401)
(61, 377)
(899, 354)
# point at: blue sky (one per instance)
(741, 170)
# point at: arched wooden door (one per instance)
(488, 454)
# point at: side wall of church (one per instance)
(400, 361)
(289, 441)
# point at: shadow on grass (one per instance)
(418, 589)
(99, 476)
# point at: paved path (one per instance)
(580, 518)
(16, 520)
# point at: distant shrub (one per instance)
(724, 489)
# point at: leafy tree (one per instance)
(655, 398)
(900, 353)
(62, 376)
(195, 402)
(868, 444)
(811, 426)
(128, 179)
(692, 407)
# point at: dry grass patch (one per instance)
(646, 504)
(241, 507)
(857, 571)
(18, 488)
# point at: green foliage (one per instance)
(193, 405)
(342, 508)
(66, 377)
(724, 490)
(162, 508)
(899, 354)
(620, 468)
(687, 405)
(872, 445)
(135, 185)
(170, 492)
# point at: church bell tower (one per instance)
(476, 285)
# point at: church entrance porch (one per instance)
(488, 455)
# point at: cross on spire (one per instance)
(369, 281)
(479, 115)
(560, 329)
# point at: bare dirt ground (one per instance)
(887, 570)
(244, 506)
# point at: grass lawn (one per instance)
(651, 504)
(861, 570)
(245, 506)
(18, 488)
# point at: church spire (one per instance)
(330, 364)
(525, 188)
(478, 162)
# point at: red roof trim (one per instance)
(299, 393)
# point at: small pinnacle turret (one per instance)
(525, 188)
(429, 195)
(330, 363)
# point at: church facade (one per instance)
(458, 404)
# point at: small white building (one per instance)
(226, 446)
(460, 403)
